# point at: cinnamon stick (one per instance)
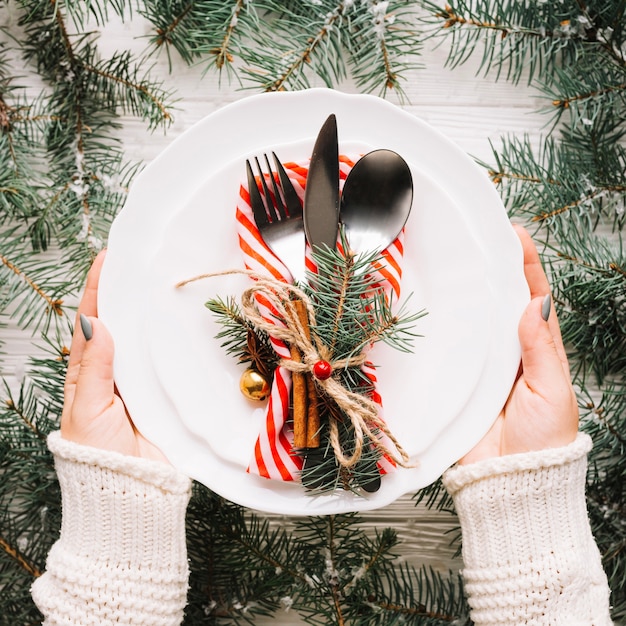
(298, 402)
(305, 413)
(313, 419)
(313, 416)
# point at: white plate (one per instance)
(167, 190)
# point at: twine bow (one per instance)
(360, 409)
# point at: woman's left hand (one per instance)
(93, 412)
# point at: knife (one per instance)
(321, 196)
(320, 213)
(321, 225)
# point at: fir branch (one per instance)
(351, 309)
(436, 599)
(593, 84)
(516, 38)
(565, 102)
(164, 34)
(20, 155)
(81, 13)
(395, 328)
(234, 326)
(85, 97)
(334, 571)
(590, 285)
(559, 185)
(34, 290)
(317, 45)
(19, 181)
(385, 44)
(37, 408)
(46, 379)
(30, 503)
(604, 24)
(116, 81)
(376, 39)
(13, 552)
(603, 417)
(222, 53)
(203, 28)
(242, 565)
(12, 406)
(241, 339)
(582, 201)
(435, 496)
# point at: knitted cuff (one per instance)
(121, 556)
(528, 551)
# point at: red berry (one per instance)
(322, 370)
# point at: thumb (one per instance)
(541, 363)
(94, 385)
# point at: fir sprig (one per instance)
(604, 418)
(34, 289)
(438, 598)
(516, 39)
(213, 31)
(288, 45)
(558, 186)
(29, 498)
(240, 339)
(590, 285)
(352, 311)
(86, 174)
(386, 44)
(596, 82)
(297, 54)
(327, 570)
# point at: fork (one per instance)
(278, 215)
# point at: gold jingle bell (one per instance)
(254, 386)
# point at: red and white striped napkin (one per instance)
(274, 456)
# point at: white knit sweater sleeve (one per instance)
(121, 557)
(529, 555)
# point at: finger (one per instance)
(539, 286)
(94, 390)
(88, 306)
(541, 360)
(89, 302)
(533, 268)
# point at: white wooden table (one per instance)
(470, 110)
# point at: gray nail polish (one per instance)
(86, 327)
(546, 305)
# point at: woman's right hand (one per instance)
(541, 410)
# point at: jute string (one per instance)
(360, 409)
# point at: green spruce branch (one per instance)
(519, 40)
(208, 31)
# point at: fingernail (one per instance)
(546, 305)
(86, 327)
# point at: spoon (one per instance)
(376, 200)
(375, 205)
